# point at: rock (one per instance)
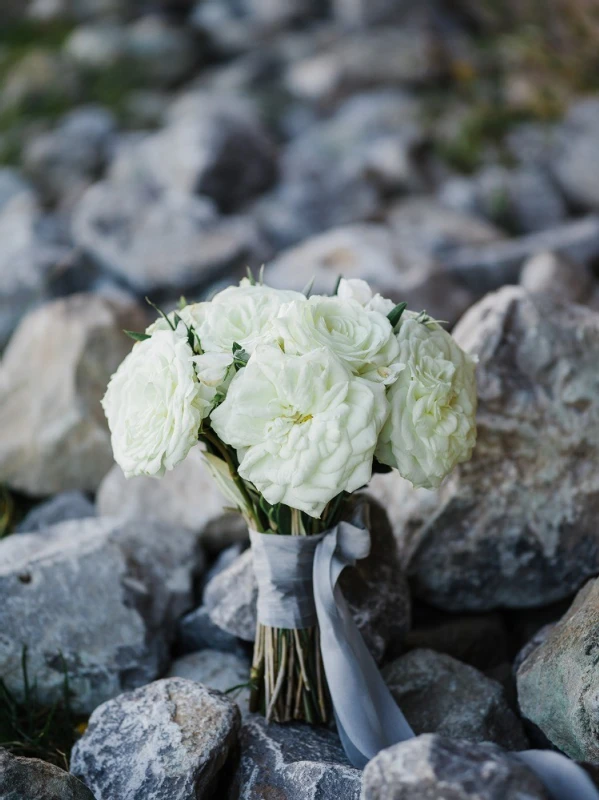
(187, 496)
(537, 640)
(163, 53)
(372, 252)
(196, 631)
(515, 526)
(487, 267)
(98, 45)
(214, 145)
(557, 684)
(374, 589)
(270, 15)
(55, 434)
(37, 780)
(574, 153)
(387, 56)
(439, 694)
(435, 767)
(166, 740)
(479, 640)
(96, 598)
(548, 272)
(293, 761)
(40, 79)
(340, 171)
(218, 670)
(362, 13)
(157, 240)
(62, 507)
(64, 161)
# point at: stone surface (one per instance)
(97, 45)
(96, 597)
(340, 170)
(548, 272)
(487, 267)
(62, 507)
(187, 495)
(196, 631)
(165, 741)
(557, 680)
(218, 670)
(375, 591)
(434, 767)
(163, 53)
(65, 160)
(294, 762)
(574, 153)
(32, 779)
(439, 694)
(55, 436)
(515, 526)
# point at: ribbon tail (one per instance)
(368, 717)
(564, 779)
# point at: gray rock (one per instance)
(574, 153)
(38, 77)
(196, 631)
(168, 740)
(548, 272)
(64, 161)
(163, 53)
(187, 496)
(434, 767)
(97, 45)
(480, 640)
(55, 435)
(33, 779)
(489, 266)
(515, 526)
(439, 694)
(557, 681)
(387, 56)
(536, 641)
(361, 13)
(340, 171)
(218, 670)
(63, 507)
(155, 239)
(96, 598)
(375, 591)
(293, 761)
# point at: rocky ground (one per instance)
(449, 154)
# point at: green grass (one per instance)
(32, 729)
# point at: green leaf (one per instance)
(307, 290)
(137, 337)
(337, 282)
(182, 302)
(161, 312)
(395, 314)
(261, 276)
(240, 358)
(250, 276)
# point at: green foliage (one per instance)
(395, 314)
(36, 730)
(137, 337)
(7, 511)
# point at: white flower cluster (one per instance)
(307, 392)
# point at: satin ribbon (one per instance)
(298, 586)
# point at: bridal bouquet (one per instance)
(296, 400)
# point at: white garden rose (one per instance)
(431, 426)
(362, 339)
(154, 405)
(243, 314)
(304, 428)
(359, 290)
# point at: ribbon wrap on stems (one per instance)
(298, 587)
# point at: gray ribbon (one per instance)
(298, 585)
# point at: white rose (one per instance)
(304, 428)
(154, 405)
(214, 369)
(242, 314)
(358, 290)
(362, 339)
(431, 426)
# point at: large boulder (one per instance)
(516, 526)
(95, 600)
(439, 694)
(216, 669)
(186, 495)
(435, 767)
(33, 779)
(293, 761)
(375, 590)
(558, 682)
(166, 740)
(574, 153)
(52, 378)
(62, 507)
